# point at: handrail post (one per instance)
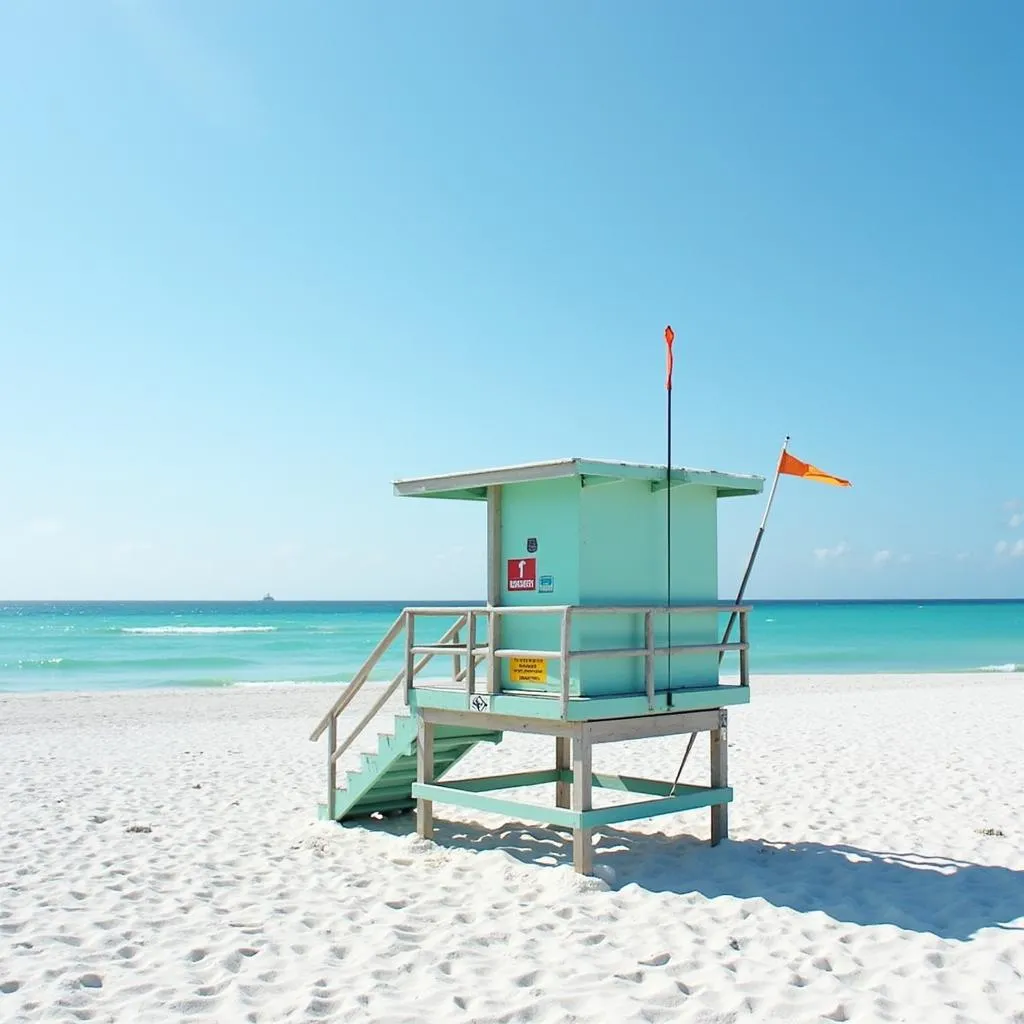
(744, 651)
(471, 659)
(649, 658)
(565, 661)
(332, 767)
(410, 666)
(493, 669)
(456, 657)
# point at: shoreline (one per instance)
(830, 681)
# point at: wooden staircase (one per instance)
(383, 780)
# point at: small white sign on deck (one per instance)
(480, 702)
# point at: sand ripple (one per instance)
(159, 863)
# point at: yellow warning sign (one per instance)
(528, 670)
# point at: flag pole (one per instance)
(670, 336)
(739, 597)
(757, 545)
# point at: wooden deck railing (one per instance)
(417, 656)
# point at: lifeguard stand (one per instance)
(580, 640)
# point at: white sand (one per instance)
(160, 861)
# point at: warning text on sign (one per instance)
(528, 670)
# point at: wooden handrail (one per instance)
(369, 716)
(618, 652)
(360, 677)
(391, 687)
(381, 701)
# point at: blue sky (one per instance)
(258, 260)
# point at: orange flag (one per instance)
(670, 336)
(794, 467)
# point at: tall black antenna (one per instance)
(670, 336)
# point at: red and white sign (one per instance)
(522, 574)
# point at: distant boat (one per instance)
(268, 596)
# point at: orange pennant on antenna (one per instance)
(670, 336)
(794, 467)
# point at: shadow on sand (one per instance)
(949, 898)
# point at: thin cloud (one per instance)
(963, 556)
(1017, 519)
(831, 554)
(1008, 549)
(881, 557)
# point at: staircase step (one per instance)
(370, 762)
(404, 771)
(443, 743)
(383, 780)
(383, 791)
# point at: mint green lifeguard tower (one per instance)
(579, 640)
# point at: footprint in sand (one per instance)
(321, 1008)
(634, 976)
(90, 981)
(656, 961)
(9, 987)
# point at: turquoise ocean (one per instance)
(90, 646)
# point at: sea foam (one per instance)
(191, 630)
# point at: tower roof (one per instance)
(472, 485)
